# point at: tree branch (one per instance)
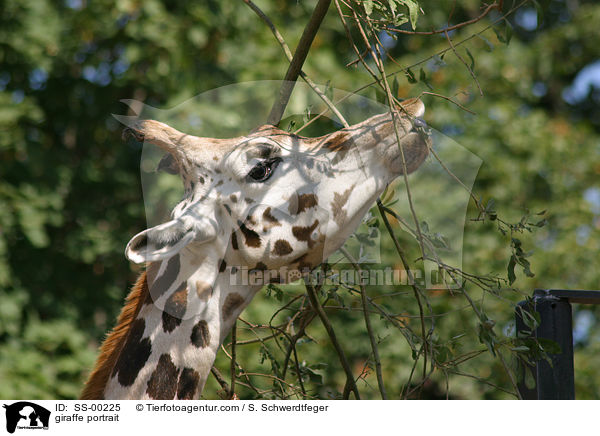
(288, 55)
(295, 67)
(232, 368)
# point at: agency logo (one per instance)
(26, 416)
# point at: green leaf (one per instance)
(413, 12)
(529, 379)
(488, 45)
(531, 319)
(423, 78)
(504, 35)
(472, 66)
(540, 13)
(395, 86)
(410, 76)
(511, 270)
(549, 346)
(499, 35)
(392, 5)
(307, 113)
(508, 31)
(368, 5)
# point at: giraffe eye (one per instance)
(264, 170)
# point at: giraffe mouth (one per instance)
(415, 148)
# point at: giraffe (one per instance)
(270, 205)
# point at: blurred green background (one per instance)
(71, 197)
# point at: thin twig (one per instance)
(411, 279)
(465, 63)
(314, 301)
(232, 367)
(220, 379)
(363, 296)
(510, 375)
(448, 99)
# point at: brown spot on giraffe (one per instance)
(302, 202)
(269, 220)
(232, 302)
(151, 273)
(338, 141)
(222, 265)
(203, 290)
(233, 198)
(175, 307)
(234, 242)
(162, 384)
(337, 206)
(188, 384)
(134, 355)
(158, 285)
(251, 220)
(305, 233)
(200, 336)
(251, 237)
(282, 247)
(152, 267)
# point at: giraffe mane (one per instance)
(113, 344)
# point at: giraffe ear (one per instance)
(166, 240)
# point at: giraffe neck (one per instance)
(162, 351)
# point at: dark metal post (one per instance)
(556, 381)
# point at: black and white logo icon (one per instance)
(27, 416)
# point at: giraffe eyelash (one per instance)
(263, 171)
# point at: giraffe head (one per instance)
(269, 200)
(272, 199)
